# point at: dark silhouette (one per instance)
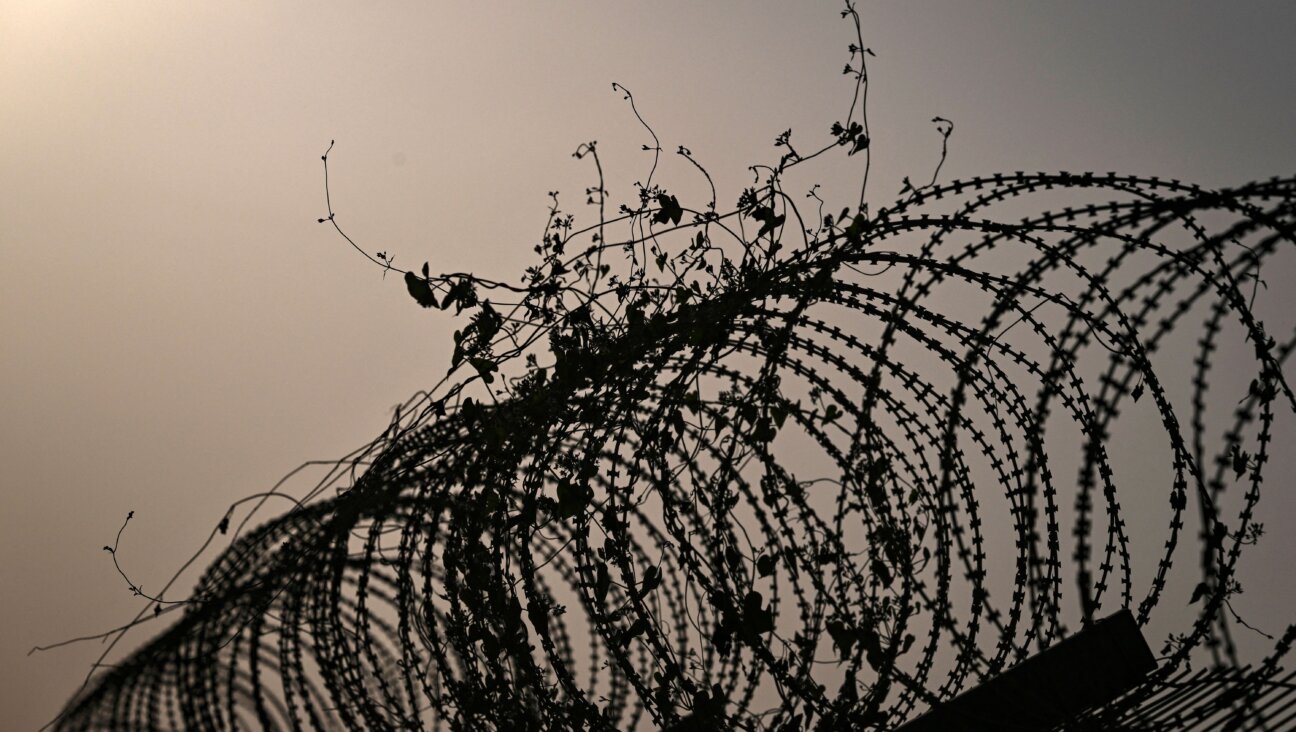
(768, 467)
(1086, 670)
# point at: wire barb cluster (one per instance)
(771, 507)
(797, 472)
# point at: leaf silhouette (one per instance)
(420, 290)
(670, 210)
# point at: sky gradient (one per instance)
(178, 332)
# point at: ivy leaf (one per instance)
(1263, 389)
(882, 572)
(908, 643)
(486, 368)
(635, 630)
(1198, 593)
(874, 484)
(573, 498)
(856, 229)
(757, 619)
(872, 644)
(765, 565)
(539, 615)
(461, 295)
(1240, 459)
(769, 220)
(861, 143)
(458, 354)
(842, 636)
(420, 290)
(488, 323)
(651, 580)
(693, 402)
(670, 210)
(602, 583)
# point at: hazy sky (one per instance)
(178, 332)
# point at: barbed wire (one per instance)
(748, 470)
